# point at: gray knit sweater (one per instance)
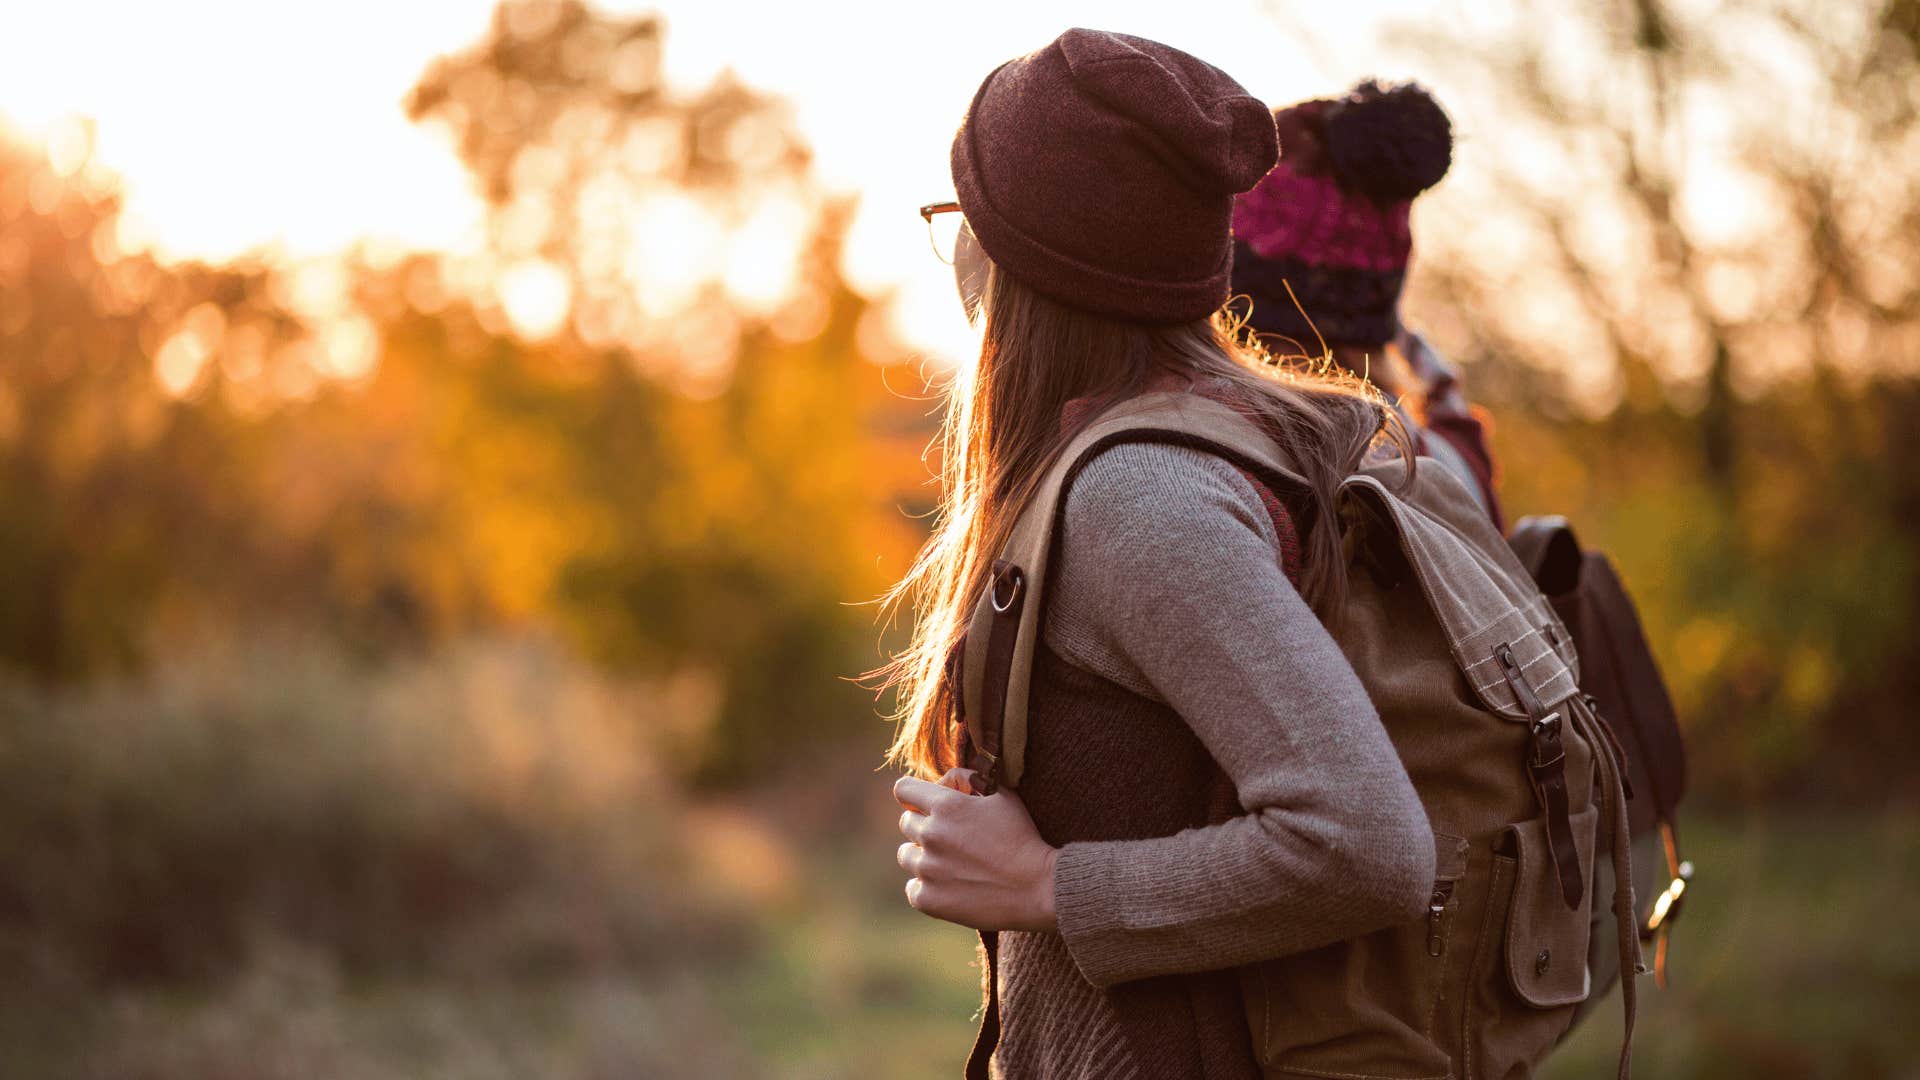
(1170, 584)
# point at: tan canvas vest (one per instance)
(1476, 682)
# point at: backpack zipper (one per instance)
(1436, 916)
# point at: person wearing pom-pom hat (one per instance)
(1331, 223)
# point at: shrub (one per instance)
(491, 807)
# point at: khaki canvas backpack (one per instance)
(1477, 684)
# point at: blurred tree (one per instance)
(644, 197)
(1684, 254)
(732, 521)
(689, 464)
(123, 478)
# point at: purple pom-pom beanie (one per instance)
(1332, 220)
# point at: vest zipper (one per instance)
(1436, 916)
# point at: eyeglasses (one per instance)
(954, 244)
(944, 220)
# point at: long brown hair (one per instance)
(1003, 429)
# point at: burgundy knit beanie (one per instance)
(1100, 171)
(1332, 219)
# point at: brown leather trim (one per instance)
(1547, 772)
(956, 711)
(1007, 593)
(1626, 920)
(980, 1058)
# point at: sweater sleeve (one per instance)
(1170, 583)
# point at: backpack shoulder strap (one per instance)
(1002, 636)
(1550, 552)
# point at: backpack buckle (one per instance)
(1545, 748)
(1666, 906)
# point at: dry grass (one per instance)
(273, 863)
(493, 809)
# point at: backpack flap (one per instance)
(1546, 942)
(1482, 602)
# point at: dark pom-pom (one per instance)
(1388, 143)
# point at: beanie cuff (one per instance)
(1067, 280)
(1344, 305)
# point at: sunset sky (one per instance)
(240, 126)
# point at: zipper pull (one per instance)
(1436, 914)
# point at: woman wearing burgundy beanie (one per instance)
(1206, 782)
(1321, 247)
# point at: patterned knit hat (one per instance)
(1331, 219)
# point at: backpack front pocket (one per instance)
(1547, 940)
(1539, 946)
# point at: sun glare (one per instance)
(537, 297)
(179, 361)
(248, 141)
(762, 252)
(674, 246)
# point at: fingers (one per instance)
(917, 794)
(924, 802)
(926, 898)
(914, 826)
(910, 856)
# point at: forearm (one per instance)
(1260, 886)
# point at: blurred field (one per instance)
(1794, 958)
(297, 866)
(278, 862)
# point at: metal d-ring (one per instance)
(1012, 576)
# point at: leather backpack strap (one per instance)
(980, 1058)
(1655, 732)
(1547, 773)
(1549, 550)
(1613, 801)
